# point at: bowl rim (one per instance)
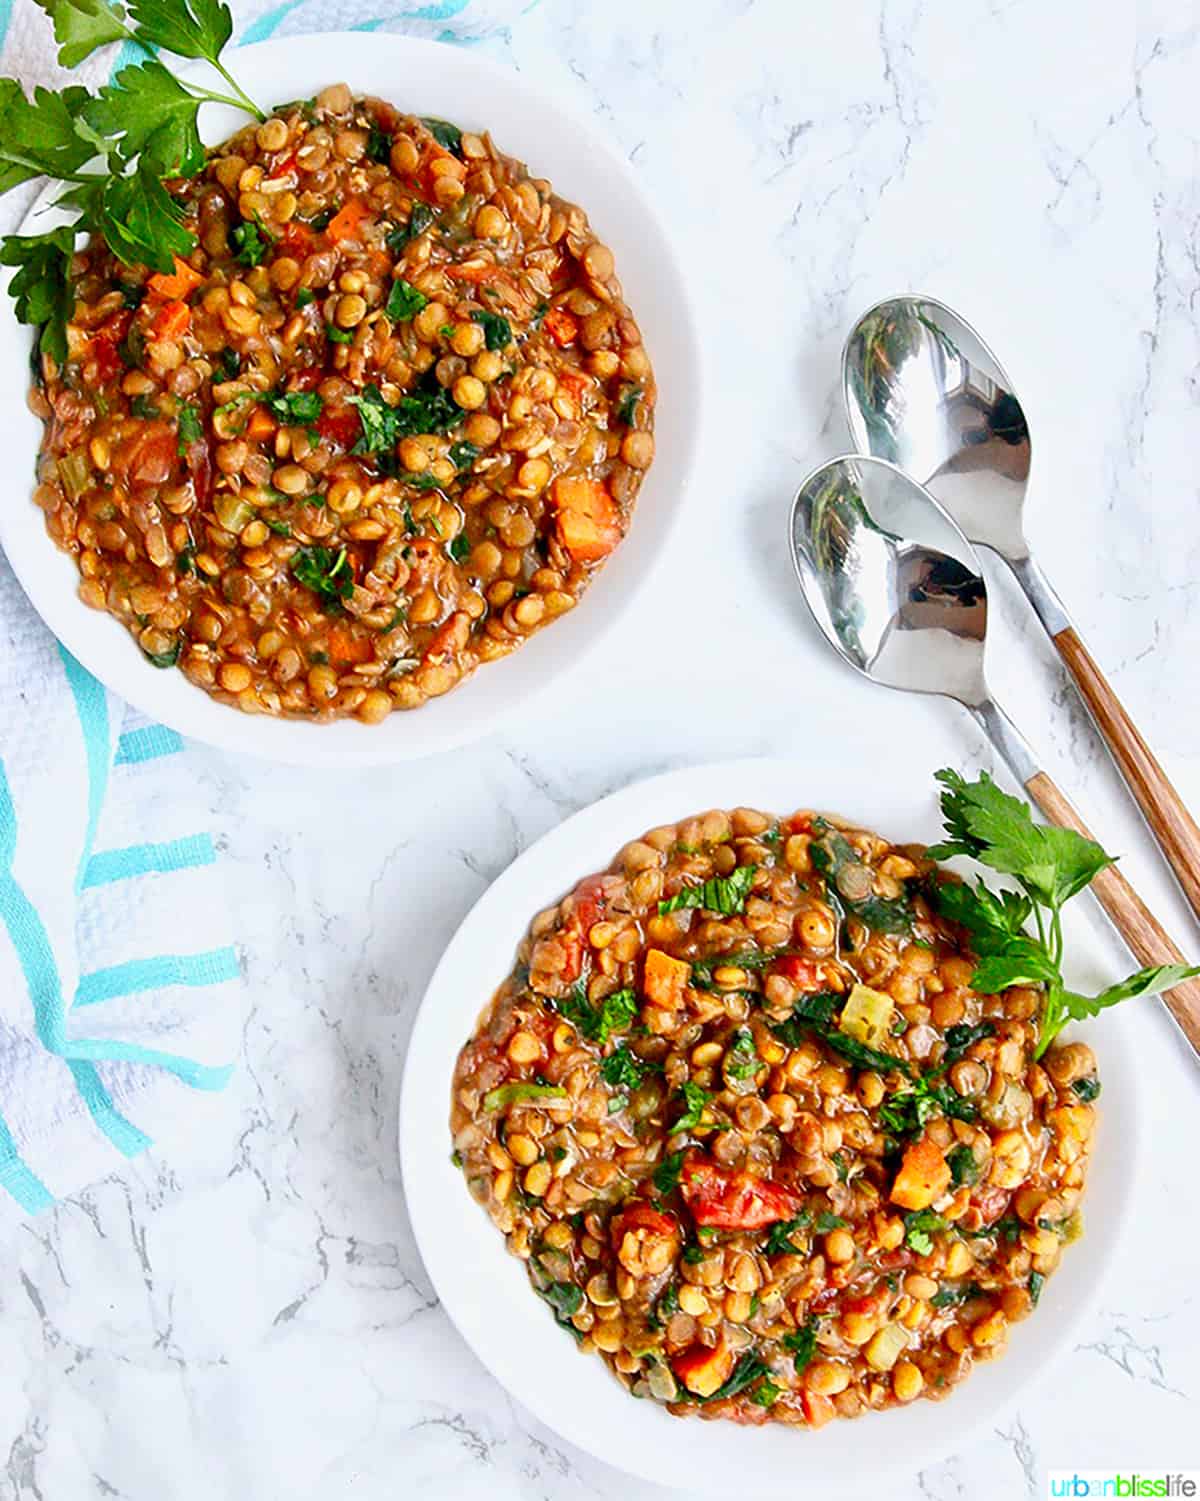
(424, 1154)
(104, 646)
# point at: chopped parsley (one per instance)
(404, 301)
(338, 335)
(419, 220)
(324, 571)
(919, 1228)
(666, 1174)
(294, 407)
(305, 296)
(443, 132)
(741, 1059)
(724, 894)
(459, 547)
(802, 1344)
(694, 1101)
(190, 427)
(497, 331)
(627, 400)
(779, 1240)
(379, 144)
(615, 1013)
(252, 242)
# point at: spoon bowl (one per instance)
(925, 392)
(893, 584)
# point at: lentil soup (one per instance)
(387, 420)
(756, 1138)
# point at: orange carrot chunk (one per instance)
(587, 518)
(172, 321)
(176, 285)
(702, 1370)
(562, 326)
(923, 1177)
(664, 979)
(347, 222)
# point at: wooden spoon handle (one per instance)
(1147, 939)
(1170, 822)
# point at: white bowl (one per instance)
(426, 78)
(485, 1290)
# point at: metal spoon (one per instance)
(898, 592)
(924, 391)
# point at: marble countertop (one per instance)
(246, 1316)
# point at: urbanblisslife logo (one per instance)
(1126, 1485)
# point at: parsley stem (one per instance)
(243, 100)
(40, 169)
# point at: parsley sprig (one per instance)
(1050, 866)
(114, 149)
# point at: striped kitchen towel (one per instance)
(121, 1001)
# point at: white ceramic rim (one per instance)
(453, 82)
(484, 1290)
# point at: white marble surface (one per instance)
(246, 1316)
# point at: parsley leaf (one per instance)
(615, 1013)
(627, 400)
(294, 407)
(964, 1170)
(379, 422)
(497, 331)
(191, 428)
(42, 286)
(779, 1240)
(146, 110)
(623, 1069)
(724, 894)
(404, 301)
(443, 132)
(851, 880)
(188, 28)
(140, 220)
(1051, 865)
(802, 1344)
(80, 26)
(919, 1227)
(40, 135)
(459, 547)
(419, 220)
(694, 1100)
(379, 144)
(252, 242)
(325, 572)
(741, 1057)
(666, 1174)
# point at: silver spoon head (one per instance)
(924, 391)
(891, 581)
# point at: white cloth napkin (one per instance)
(121, 1002)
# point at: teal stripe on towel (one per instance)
(147, 744)
(18, 1179)
(45, 991)
(91, 704)
(123, 1134)
(149, 859)
(212, 968)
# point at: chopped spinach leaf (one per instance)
(724, 894)
(404, 301)
(497, 331)
(324, 571)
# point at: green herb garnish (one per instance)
(802, 1344)
(296, 408)
(615, 1013)
(850, 880)
(519, 1091)
(252, 242)
(404, 301)
(497, 331)
(1051, 866)
(741, 1059)
(189, 427)
(694, 1101)
(724, 894)
(305, 296)
(459, 547)
(337, 335)
(779, 1240)
(419, 220)
(919, 1228)
(627, 400)
(443, 132)
(324, 571)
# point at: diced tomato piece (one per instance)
(450, 637)
(733, 1201)
(800, 823)
(308, 379)
(817, 1409)
(348, 221)
(345, 646)
(171, 321)
(702, 1370)
(152, 458)
(638, 1215)
(587, 517)
(341, 425)
(176, 285)
(589, 904)
(574, 382)
(563, 327)
(296, 239)
(923, 1177)
(108, 361)
(665, 979)
(801, 972)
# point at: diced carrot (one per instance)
(562, 326)
(172, 321)
(261, 424)
(587, 518)
(176, 285)
(574, 382)
(347, 222)
(664, 979)
(923, 1177)
(703, 1370)
(344, 646)
(817, 1409)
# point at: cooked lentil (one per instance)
(757, 1140)
(387, 420)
